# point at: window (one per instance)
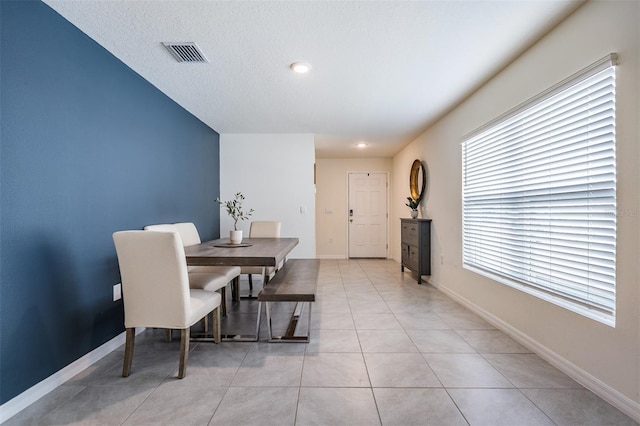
(539, 195)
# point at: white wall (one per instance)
(605, 359)
(331, 195)
(275, 174)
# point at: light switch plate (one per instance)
(117, 292)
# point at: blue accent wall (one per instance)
(88, 147)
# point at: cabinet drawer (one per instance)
(410, 257)
(414, 258)
(405, 254)
(410, 233)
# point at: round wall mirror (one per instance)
(417, 180)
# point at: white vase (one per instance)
(235, 237)
(414, 213)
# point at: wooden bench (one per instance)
(296, 282)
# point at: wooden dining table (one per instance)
(263, 252)
(251, 252)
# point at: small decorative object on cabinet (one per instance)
(416, 246)
(413, 205)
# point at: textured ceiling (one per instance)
(383, 71)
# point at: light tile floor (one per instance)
(383, 350)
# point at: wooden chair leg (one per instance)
(184, 352)
(235, 288)
(128, 351)
(217, 333)
(168, 335)
(223, 303)
(250, 284)
(204, 322)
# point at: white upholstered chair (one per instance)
(156, 293)
(224, 274)
(262, 229)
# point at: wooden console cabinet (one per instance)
(416, 246)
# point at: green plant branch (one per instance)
(234, 209)
(412, 203)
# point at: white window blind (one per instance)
(539, 195)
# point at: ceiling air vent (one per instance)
(186, 52)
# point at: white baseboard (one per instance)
(35, 392)
(330, 256)
(595, 385)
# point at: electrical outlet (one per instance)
(117, 292)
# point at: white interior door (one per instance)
(367, 215)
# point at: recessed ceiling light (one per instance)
(361, 145)
(300, 67)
